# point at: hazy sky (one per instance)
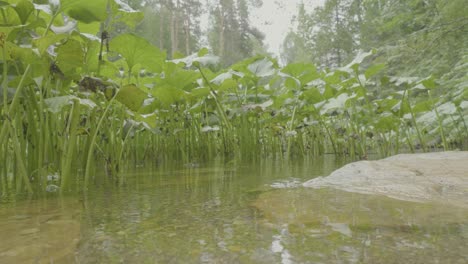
(274, 19)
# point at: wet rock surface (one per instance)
(436, 177)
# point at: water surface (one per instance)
(229, 213)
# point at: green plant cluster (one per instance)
(77, 95)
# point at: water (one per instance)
(229, 213)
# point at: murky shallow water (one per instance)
(232, 213)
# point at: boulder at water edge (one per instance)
(436, 177)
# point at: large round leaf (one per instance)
(86, 11)
(70, 56)
(168, 95)
(131, 96)
(262, 68)
(304, 72)
(126, 14)
(24, 9)
(137, 50)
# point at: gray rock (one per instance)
(437, 177)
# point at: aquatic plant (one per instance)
(77, 96)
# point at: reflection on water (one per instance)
(236, 213)
(332, 226)
(188, 214)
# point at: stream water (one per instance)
(229, 213)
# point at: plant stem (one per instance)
(290, 129)
(439, 120)
(19, 159)
(220, 108)
(71, 144)
(93, 140)
(413, 118)
(50, 24)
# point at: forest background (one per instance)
(414, 37)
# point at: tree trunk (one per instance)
(161, 27)
(337, 31)
(187, 34)
(173, 33)
(176, 29)
(221, 31)
(359, 17)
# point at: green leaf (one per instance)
(280, 100)
(335, 103)
(401, 108)
(124, 13)
(304, 72)
(386, 105)
(70, 56)
(423, 106)
(298, 69)
(334, 77)
(91, 57)
(387, 122)
(131, 96)
(182, 79)
(45, 42)
(291, 83)
(312, 95)
(25, 55)
(168, 95)
(201, 92)
(227, 85)
(137, 50)
(429, 83)
(373, 70)
(329, 92)
(149, 121)
(202, 52)
(86, 11)
(89, 29)
(262, 68)
(108, 69)
(24, 9)
(221, 78)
